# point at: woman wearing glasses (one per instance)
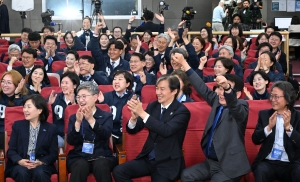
(89, 131)
(12, 91)
(32, 148)
(278, 133)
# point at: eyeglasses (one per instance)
(133, 62)
(6, 82)
(275, 97)
(274, 40)
(83, 97)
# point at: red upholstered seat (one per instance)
(58, 65)
(247, 72)
(46, 91)
(148, 93)
(81, 53)
(105, 88)
(196, 97)
(248, 61)
(3, 67)
(251, 53)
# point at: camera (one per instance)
(47, 17)
(97, 6)
(163, 6)
(188, 13)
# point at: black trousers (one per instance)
(269, 170)
(41, 173)
(101, 169)
(138, 168)
(2, 145)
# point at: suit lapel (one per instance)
(41, 135)
(25, 136)
(169, 112)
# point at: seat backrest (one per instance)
(17, 39)
(20, 63)
(196, 97)
(208, 71)
(235, 61)
(54, 79)
(248, 61)
(132, 143)
(251, 53)
(210, 62)
(148, 93)
(105, 88)
(3, 42)
(3, 67)
(247, 72)
(238, 52)
(253, 47)
(46, 91)
(81, 53)
(63, 45)
(193, 153)
(15, 113)
(58, 65)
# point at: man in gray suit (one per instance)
(223, 138)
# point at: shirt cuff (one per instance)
(9, 68)
(130, 125)
(146, 118)
(266, 131)
(77, 130)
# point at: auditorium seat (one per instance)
(196, 97)
(46, 91)
(251, 53)
(148, 93)
(58, 65)
(248, 61)
(105, 88)
(81, 53)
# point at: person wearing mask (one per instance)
(32, 148)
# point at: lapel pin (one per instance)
(44, 129)
(171, 113)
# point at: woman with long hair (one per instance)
(37, 80)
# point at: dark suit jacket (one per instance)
(46, 145)
(21, 70)
(165, 137)
(291, 144)
(150, 26)
(228, 138)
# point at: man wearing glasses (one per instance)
(29, 56)
(275, 40)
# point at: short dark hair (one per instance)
(50, 37)
(246, 0)
(134, 36)
(272, 59)
(139, 55)
(264, 44)
(31, 51)
(119, 28)
(149, 53)
(118, 45)
(34, 36)
(187, 86)
(201, 40)
(87, 18)
(149, 32)
(27, 30)
(46, 79)
(262, 74)
(74, 53)
(50, 28)
(234, 42)
(269, 27)
(237, 15)
(148, 15)
(238, 82)
(68, 32)
(128, 77)
(90, 59)
(227, 63)
(277, 34)
(238, 26)
(260, 36)
(125, 42)
(40, 103)
(73, 77)
(173, 81)
(288, 92)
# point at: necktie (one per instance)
(151, 154)
(137, 77)
(213, 129)
(28, 71)
(113, 64)
(86, 78)
(50, 59)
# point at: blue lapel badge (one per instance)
(171, 113)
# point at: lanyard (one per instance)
(83, 132)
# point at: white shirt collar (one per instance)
(167, 106)
(117, 62)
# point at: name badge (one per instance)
(276, 154)
(32, 157)
(88, 148)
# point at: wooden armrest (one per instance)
(2, 164)
(62, 165)
(121, 154)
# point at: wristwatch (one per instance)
(290, 129)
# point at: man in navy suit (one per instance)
(29, 56)
(148, 22)
(167, 121)
(23, 42)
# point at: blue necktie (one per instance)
(50, 59)
(151, 154)
(137, 77)
(86, 78)
(213, 129)
(113, 64)
(28, 71)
